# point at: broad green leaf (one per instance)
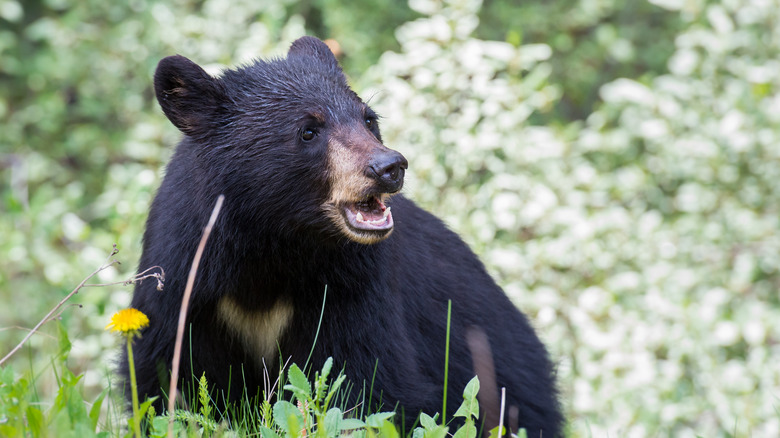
(427, 421)
(289, 418)
(470, 406)
(352, 423)
(160, 427)
(333, 419)
(299, 384)
(472, 389)
(376, 420)
(468, 430)
(388, 430)
(437, 432)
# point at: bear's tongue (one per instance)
(371, 214)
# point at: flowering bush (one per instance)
(643, 243)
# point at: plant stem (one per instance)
(133, 387)
(185, 302)
(446, 364)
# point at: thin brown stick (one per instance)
(185, 303)
(137, 278)
(109, 262)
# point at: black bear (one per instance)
(307, 219)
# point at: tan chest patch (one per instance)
(258, 330)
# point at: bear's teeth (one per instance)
(386, 212)
(359, 217)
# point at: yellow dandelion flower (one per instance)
(128, 321)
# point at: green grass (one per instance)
(307, 407)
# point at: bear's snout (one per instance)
(387, 169)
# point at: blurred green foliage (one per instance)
(594, 42)
(614, 162)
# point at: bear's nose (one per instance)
(387, 168)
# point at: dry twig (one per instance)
(108, 263)
(185, 302)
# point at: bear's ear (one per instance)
(310, 46)
(188, 95)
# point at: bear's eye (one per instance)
(308, 134)
(370, 123)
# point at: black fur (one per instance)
(386, 302)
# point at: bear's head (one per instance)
(287, 141)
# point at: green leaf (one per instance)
(63, 341)
(334, 389)
(470, 406)
(145, 406)
(494, 433)
(376, 420)
(333, 419)
(299, 384)
(94, 412)
(130, 426)
(468, 430)
(288, 417)
(428, 422)
(159, 426)
(430, 428)
(327, 367)
(69, 399)
(268, 433)
(352, 423)
(35, 420)
(388, 430)
(437, 432)
(472, 389)
(321, 383)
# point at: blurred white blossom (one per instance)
(643, 246)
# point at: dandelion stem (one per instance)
(133, 387)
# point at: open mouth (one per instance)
(370, 214)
